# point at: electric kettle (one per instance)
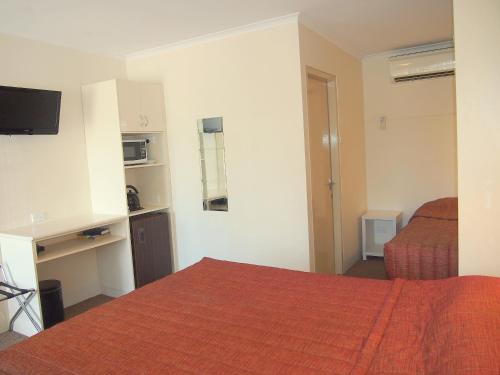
(133, 198)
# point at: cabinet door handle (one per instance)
(142, 121)
(141, 235)
(147, 120)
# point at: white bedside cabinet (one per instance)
(379, 227)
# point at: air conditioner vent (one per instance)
(424, 76)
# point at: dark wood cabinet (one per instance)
(150, 247)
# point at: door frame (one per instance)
(332, 85)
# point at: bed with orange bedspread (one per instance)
(427, 248)
(220, 317)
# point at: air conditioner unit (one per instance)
(431, 61)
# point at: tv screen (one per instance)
(29, 111)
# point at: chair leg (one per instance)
(13, 319)
(23, 303)
(23, 307)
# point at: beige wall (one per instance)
(318, 53)
(414, 159)
(477, 37)
(253, 81)
(47, 173)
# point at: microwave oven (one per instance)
(135, 151)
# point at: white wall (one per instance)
(47, 173)
(477, 37)
(319, 53)
(253, 81)
(413, 160)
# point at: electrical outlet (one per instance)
(38, 217)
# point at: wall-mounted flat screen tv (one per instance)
(29, 111)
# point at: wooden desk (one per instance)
(106, 271)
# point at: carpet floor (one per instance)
(10, 338)
(372, 268)
(71, 311)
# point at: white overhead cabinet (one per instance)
(141, 106)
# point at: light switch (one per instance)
(382, 123)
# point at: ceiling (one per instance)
(121, 27)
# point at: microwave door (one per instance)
(132, 153)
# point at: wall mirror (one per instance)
(213, 165)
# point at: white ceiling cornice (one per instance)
(261, 25)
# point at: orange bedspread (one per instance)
(427, 248)
(226, 318)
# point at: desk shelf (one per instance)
(75, 245)
(148, 165)
(147, 209)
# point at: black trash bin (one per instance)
(52, 302)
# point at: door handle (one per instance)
(330, 184)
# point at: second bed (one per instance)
(427, 248)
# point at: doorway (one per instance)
(323, 174)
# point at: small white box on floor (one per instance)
(379, 227)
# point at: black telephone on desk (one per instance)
(133, 198)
